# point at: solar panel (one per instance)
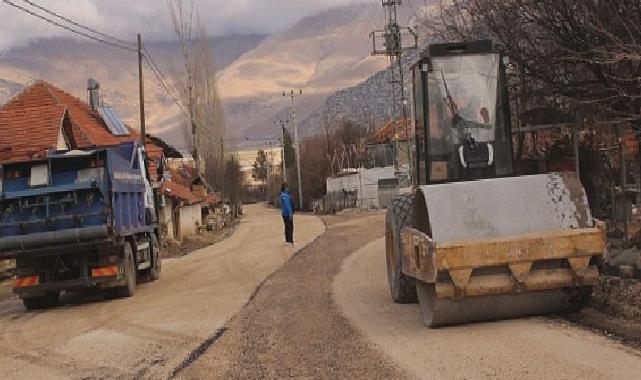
(115, 125)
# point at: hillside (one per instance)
(367, 103)
(370, 102)
(320, 54)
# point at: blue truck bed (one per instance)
(77, 196)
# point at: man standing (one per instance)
(288, 213)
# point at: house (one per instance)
(380, 180)
(182, 212)
(193, 204)
(389, 144)
(186, 205)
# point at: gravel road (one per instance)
(292, 328)
(537, 348)
(164, 326)
(250, 308)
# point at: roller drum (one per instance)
(497, 208)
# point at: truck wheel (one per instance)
(153, 273)
(130, 274)
(399, 215)
(43, 302)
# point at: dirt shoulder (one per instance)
(615, 310)
(615, 307)
(292, 327)
(204, 240)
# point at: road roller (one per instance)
(474, 242)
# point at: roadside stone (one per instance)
(631, 257)
(626, 271)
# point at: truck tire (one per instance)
(129, 289)
(399, 215)
(47, 301)
(153, 273)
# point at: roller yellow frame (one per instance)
(428, 261)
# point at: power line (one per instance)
(408, 1)
(52, 13)
(121, 44)
(155, 69)
(70, 29)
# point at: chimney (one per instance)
(94, 94)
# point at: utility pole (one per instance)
(223, 165)
(282, 126)
(141, 89)
(296, 145)
(391, 38)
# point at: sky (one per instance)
(125, 18)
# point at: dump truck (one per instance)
(79, 219)
(473, 241)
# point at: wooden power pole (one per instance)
(141, 89)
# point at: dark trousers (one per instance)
(289, 228)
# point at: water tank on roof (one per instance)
(94, 93)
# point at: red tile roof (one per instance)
(389, 131)
(30, 122)
(183, 186)
(181, 192)
(181, 175)
(214, 198)
(29, 132)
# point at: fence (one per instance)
(336, 201)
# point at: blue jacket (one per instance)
(286, 204)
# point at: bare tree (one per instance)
(580, 55)
(209, 114)
(198, 92)
(341, 146)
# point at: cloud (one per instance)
(125, 18)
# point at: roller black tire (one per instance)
(129, 289)
(43, 302)
(399, 215)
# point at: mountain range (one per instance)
(325, 55)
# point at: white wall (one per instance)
(365, 182)
(190, 217)
(166, 220)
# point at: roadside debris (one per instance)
(196, 242)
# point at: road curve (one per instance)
(536, 348)
(152, 333)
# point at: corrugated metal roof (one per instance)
(115, 125)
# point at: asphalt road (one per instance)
(165, 325)
(536, 348)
